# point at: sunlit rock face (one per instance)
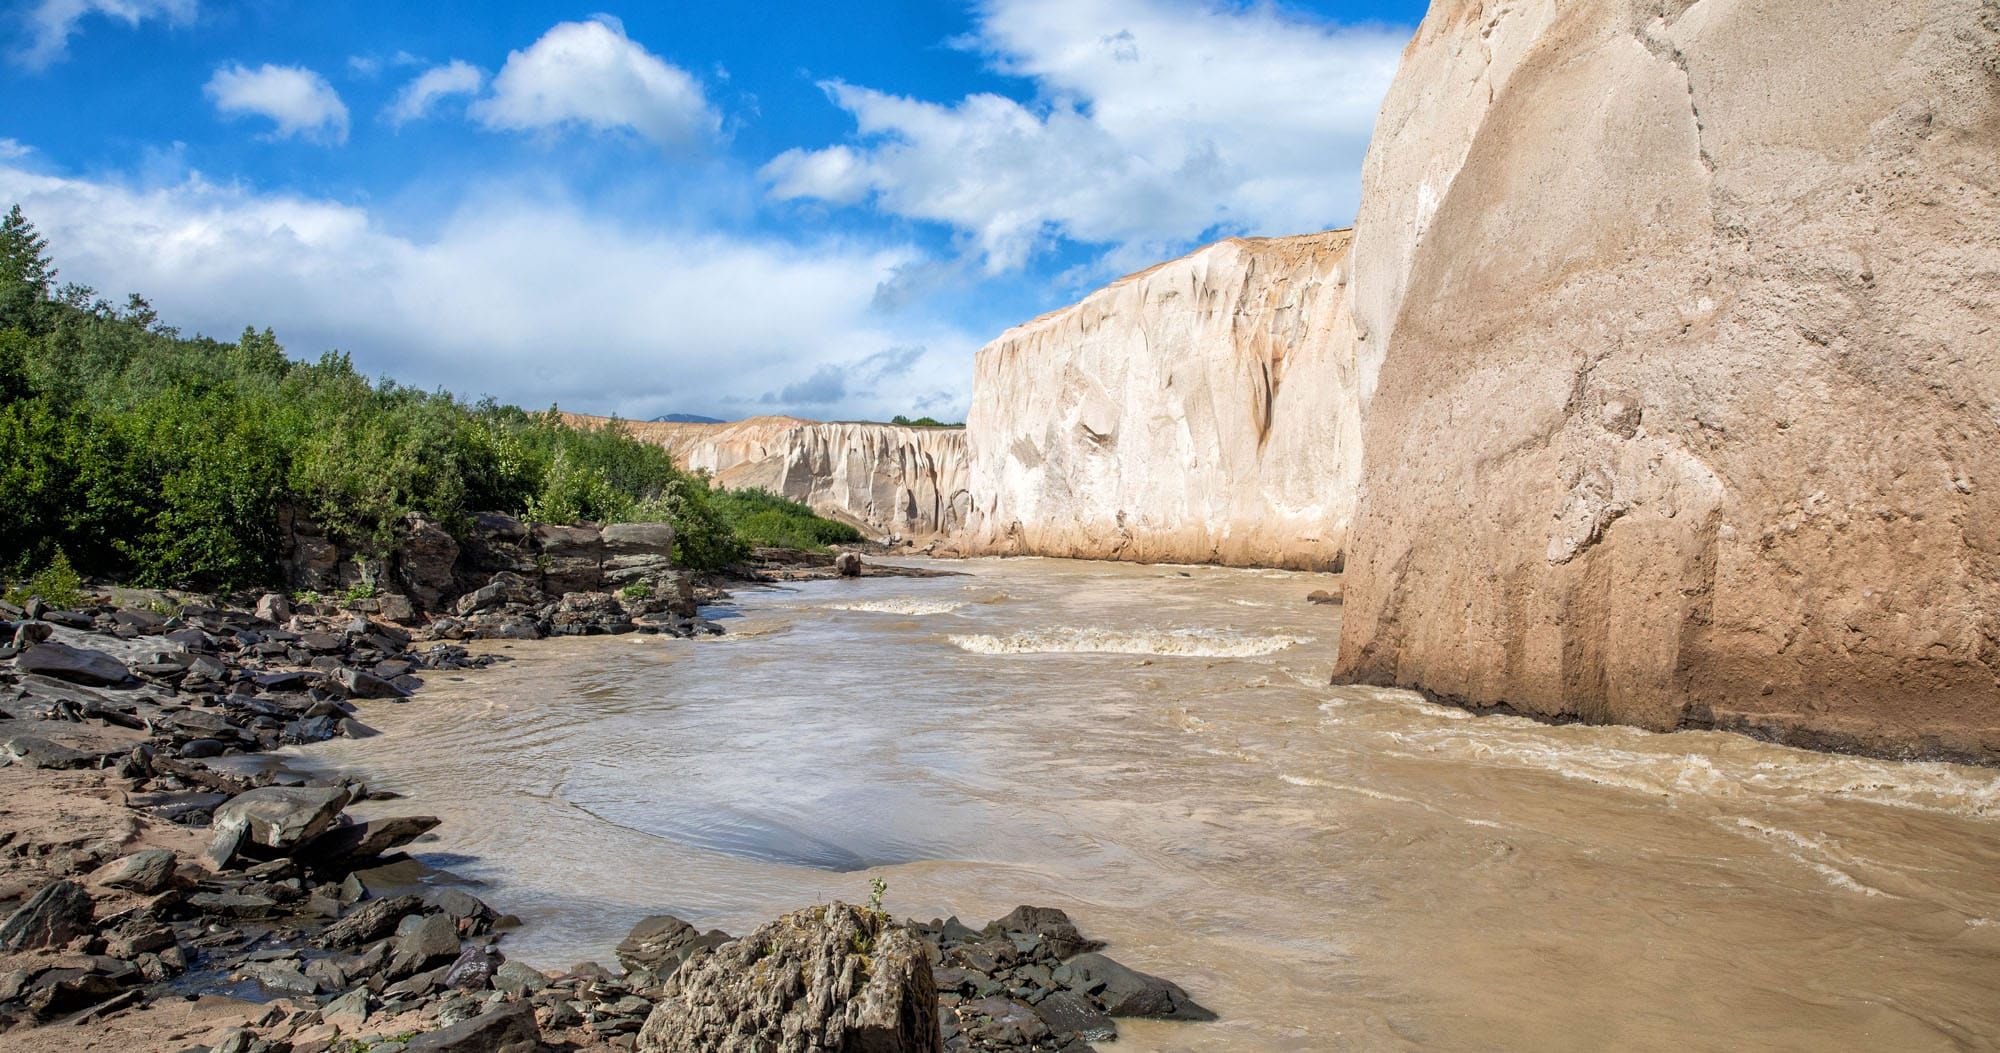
(1679, 357)
(1200, 411)
(887, 479)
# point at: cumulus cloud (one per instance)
(530, 300)
(50, 24)
(1155, 122)
(300, 101)
(438, 82)
(590, 74)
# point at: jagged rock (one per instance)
(425, 561)
(273, 607)
(504, 587)
(658, 945)
(149, 870)
(56, 914)
(1051, 924)
(828, 978)
(1323, 596)
(510, 1028)
(433, 938)
(474, 969)
(276, 817)
(74, 664)
(1128, 992)
(847, 565)
(372, 920)
(28, 634)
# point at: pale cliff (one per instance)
(887, 479)
(1680, 355)
(1186, 413)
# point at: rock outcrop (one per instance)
(888, 480)
(1680, 365)
(1194, 412)
(829, 979)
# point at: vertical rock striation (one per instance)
(1194, 412)
(1679, 356)
(886, 479)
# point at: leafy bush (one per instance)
(764, 518)
(168, 461)
(922, 422)
(57, 585)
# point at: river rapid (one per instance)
(1156, 750)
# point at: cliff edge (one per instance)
(888, 480)
(1679, 347)
(1187, 413)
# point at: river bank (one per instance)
(168, 882)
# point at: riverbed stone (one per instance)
(509, 1028)
(276, 817)
(56, 914)
(150, 870)
(360, 843)
(1124, 991)
(77, 665)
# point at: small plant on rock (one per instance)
(638, 590)
(877, 888)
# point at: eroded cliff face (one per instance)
(1680, 361)
(886, 479)
(1188, 413)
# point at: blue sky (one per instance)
(819, 209)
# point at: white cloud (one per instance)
(13, 149)
(300, 101)
(528, 299)
(1156, 121)
(50, 23)
(592, 74)
(438, 82)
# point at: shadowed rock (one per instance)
(52, 917)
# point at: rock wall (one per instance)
(1188, 413)
(886, 479)
(1680, 362)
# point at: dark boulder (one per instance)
(74, 664)
(360, 683)
(660, 943)
(370, 921)
(1128, 992)
(31, 751)
(280, 818)
(1051, 924)
(148, 871)
(847, 565)
(345, 847)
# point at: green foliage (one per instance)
(877, 888)
(922, 422)
(638, 590)
(56, 584)
(168, 461)
(760, 517)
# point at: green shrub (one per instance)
(638, 590)
(166, 461)
(56, 584)
(760, 517)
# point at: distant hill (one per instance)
(686, 418)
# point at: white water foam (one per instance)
(904, 606)
(1181, 643)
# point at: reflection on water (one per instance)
(1155, 750)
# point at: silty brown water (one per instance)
(1155, 750)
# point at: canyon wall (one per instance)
(887, 479)
(1679, 355)
(1187, 413)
